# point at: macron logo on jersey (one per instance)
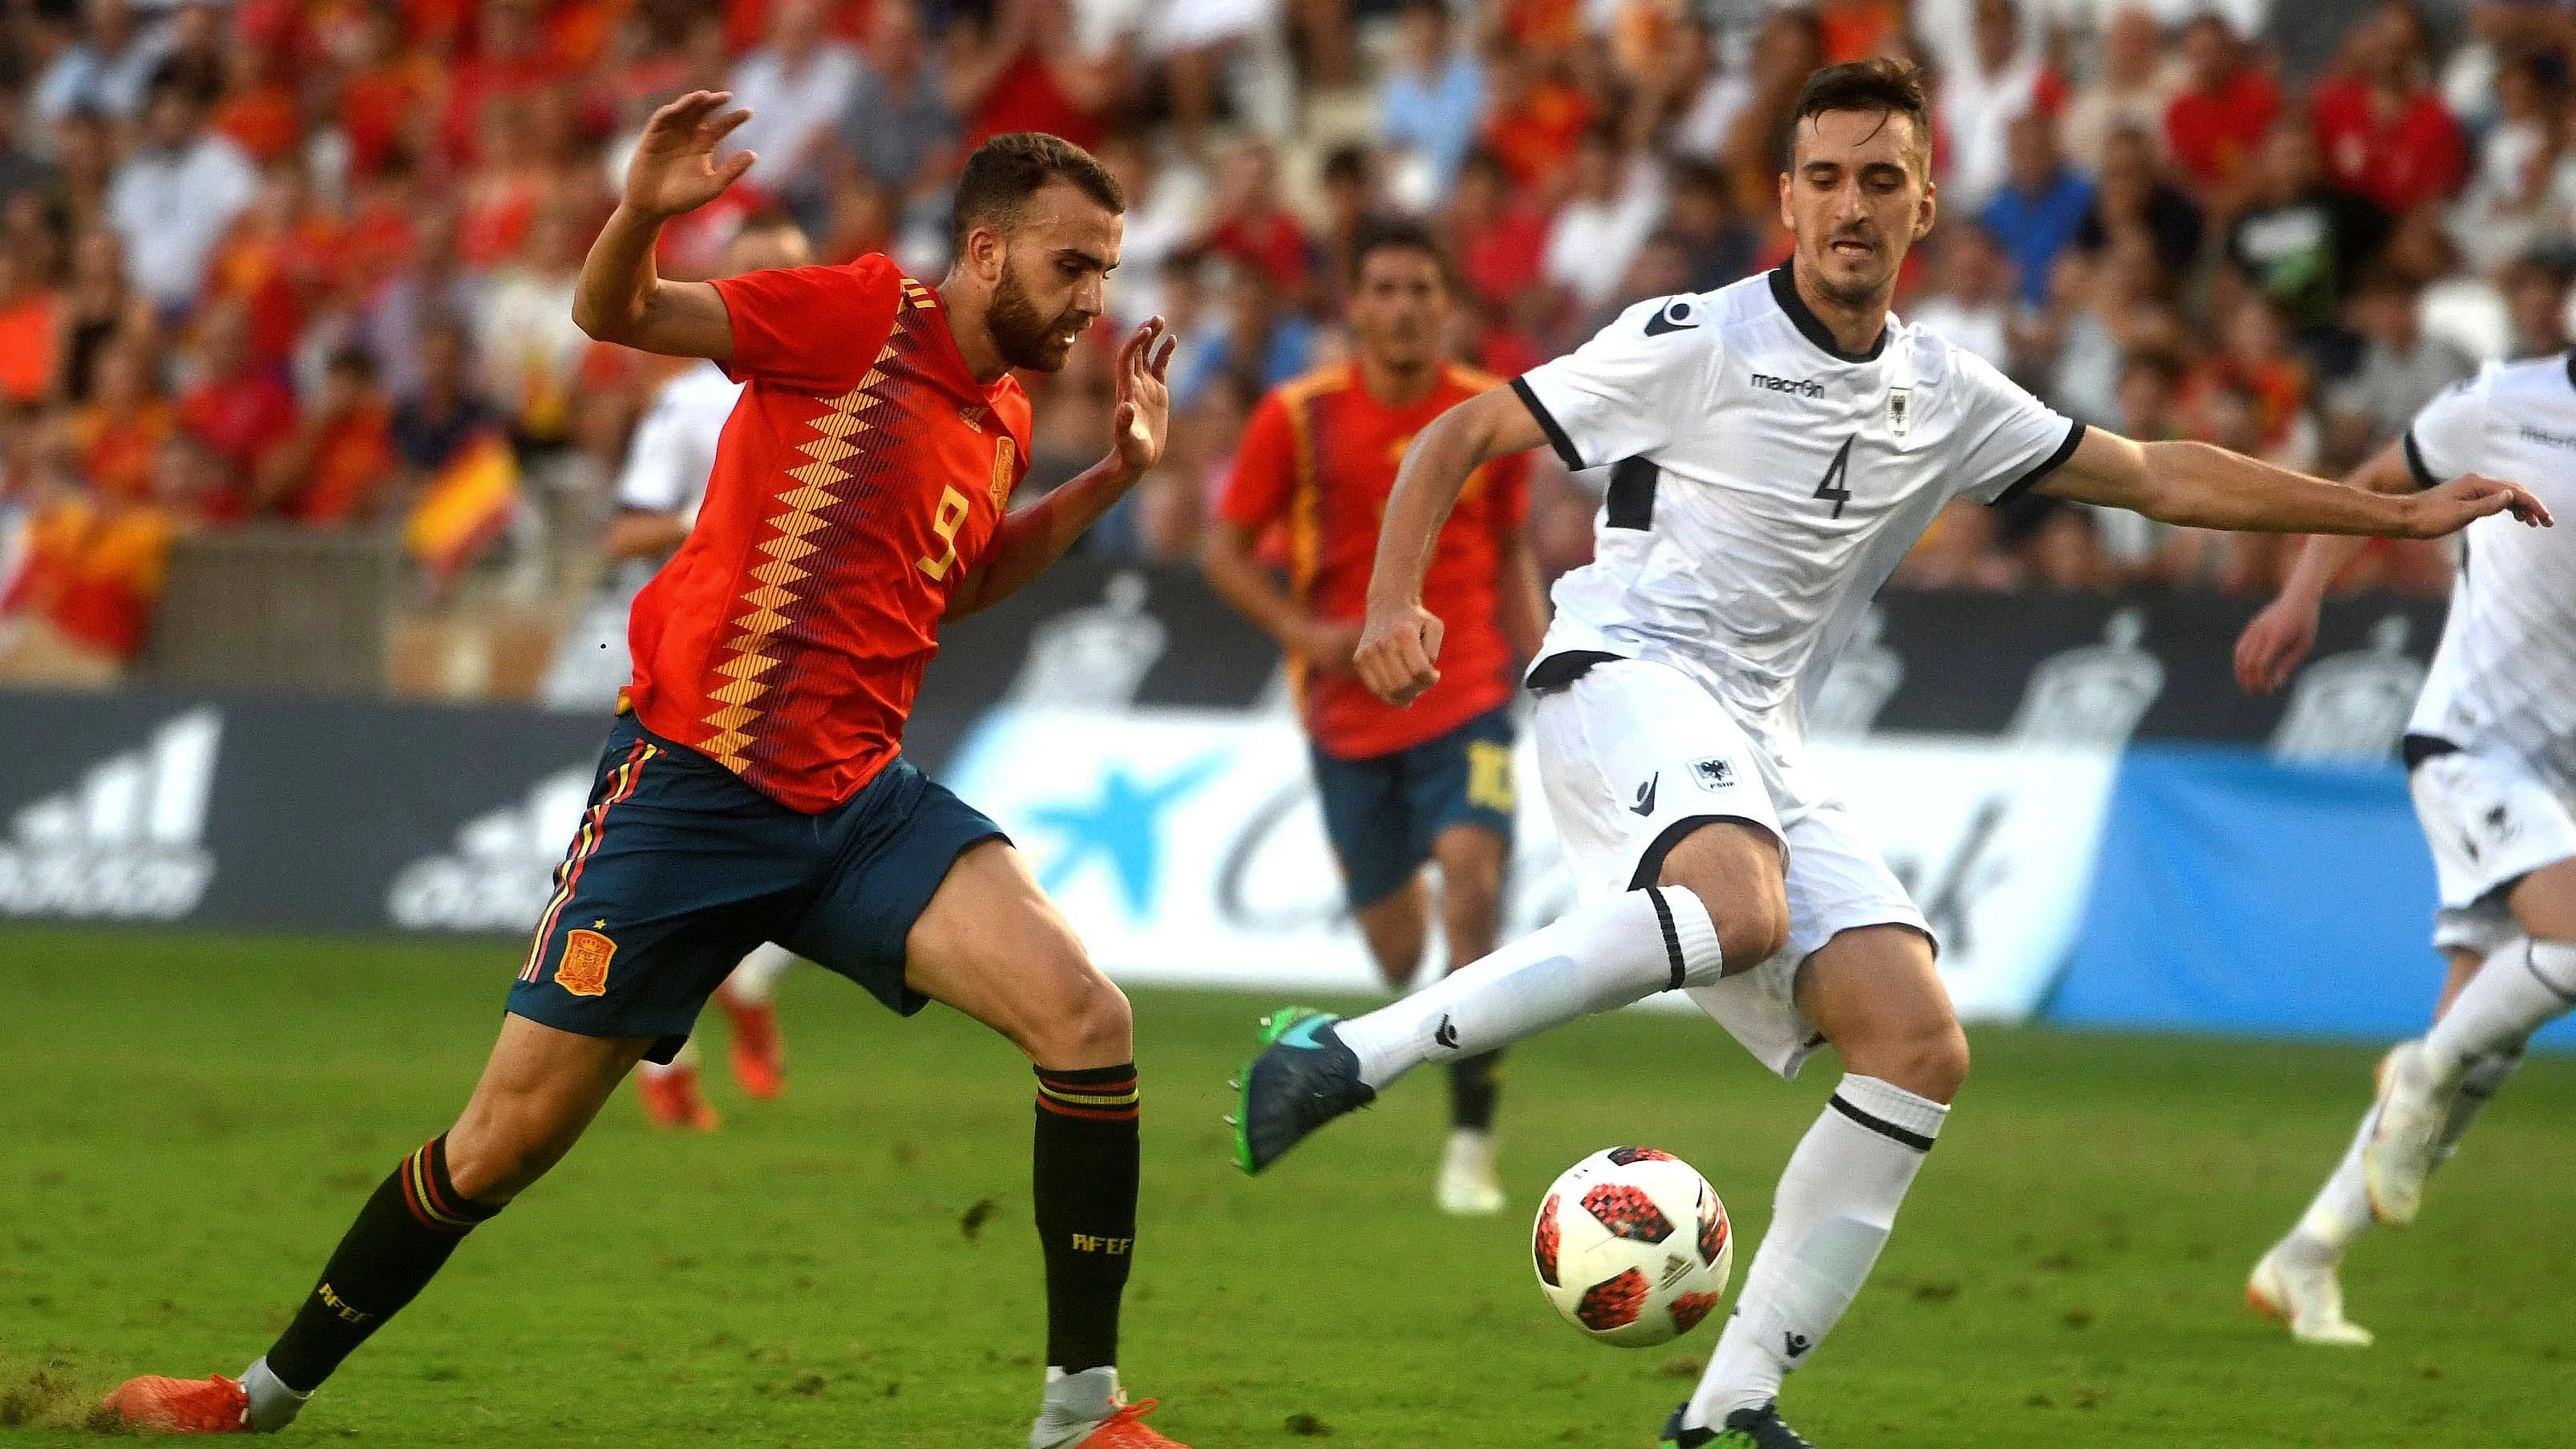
(500, 872)
(126, 843)
(1800, 386)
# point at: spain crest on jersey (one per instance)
(1006, 455)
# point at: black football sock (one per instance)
(1475, 1084)
(400, 1240)
(1086, 1167)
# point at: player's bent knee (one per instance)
(1930, 1063)
(493, 1157)
(1086, 1023)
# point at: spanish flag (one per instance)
(467, 503)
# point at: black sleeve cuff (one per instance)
(2048, 465)
(2415, 463)
(1556, 437)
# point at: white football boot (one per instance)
(1468, 1186)
(2405, 1144)
(2306, 1297)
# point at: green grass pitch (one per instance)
(187, 1123)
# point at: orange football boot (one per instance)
(759, 1057)
(1126, 1430)
(672, 1100)
(157, 1405)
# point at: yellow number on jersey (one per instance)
(953, 509)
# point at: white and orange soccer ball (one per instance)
(1633, 1247)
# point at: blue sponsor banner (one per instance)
(2237, 894)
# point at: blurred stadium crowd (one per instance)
(311, 261)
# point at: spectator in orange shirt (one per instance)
(2384, 132)
(30, 332)
(1499, 241)
(258, 109)
(1533, 120)
(240, 409)
(335, 469)
(2216, 123)
(279, 259)
(1252, 228)
(386, 100)
(120, 429)
(81, 609)
(509, 60)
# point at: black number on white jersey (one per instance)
(1835, 473)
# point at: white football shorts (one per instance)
(2491, 820)
(1633, 755)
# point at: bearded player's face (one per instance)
(1055, 271)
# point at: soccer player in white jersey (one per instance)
(2491, 762)
(1776, 447)
(659, 488)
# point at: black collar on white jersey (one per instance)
(1784, 290)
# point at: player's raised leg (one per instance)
(993, 946)
(1875, 996)
(1471, 907)
(2513, 995)
(1605, 954)
(538, 1092)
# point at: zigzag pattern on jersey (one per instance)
(784, 582)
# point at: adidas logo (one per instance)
(501, 869)
(127, 842)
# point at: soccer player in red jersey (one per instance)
(754, 788)
(1399, 787)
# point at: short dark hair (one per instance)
(1395, 234)
(1009, 169)
(1883, 84)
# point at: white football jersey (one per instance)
(674, 448)
(2505, 675)
(1764, 483)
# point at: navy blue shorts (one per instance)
(679, 869)
(1382, 813)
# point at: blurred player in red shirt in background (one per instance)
(1432, 782)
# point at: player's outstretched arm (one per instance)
(2279, 637)
(1038, 535)
(1400, 643)
(2199, 485)
(621, 298)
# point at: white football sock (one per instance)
(273, 1405)
(1075, 1405)
(2341, 1210)
(1605, 954)
(1838, 1197)
(2513, 995)
(755, 981)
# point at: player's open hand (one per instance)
(2274, 643)
(2466, 499)
(675, 167)
(1143, 420)
(1399, 653)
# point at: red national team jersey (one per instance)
(862, 475)
(1321, 454)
